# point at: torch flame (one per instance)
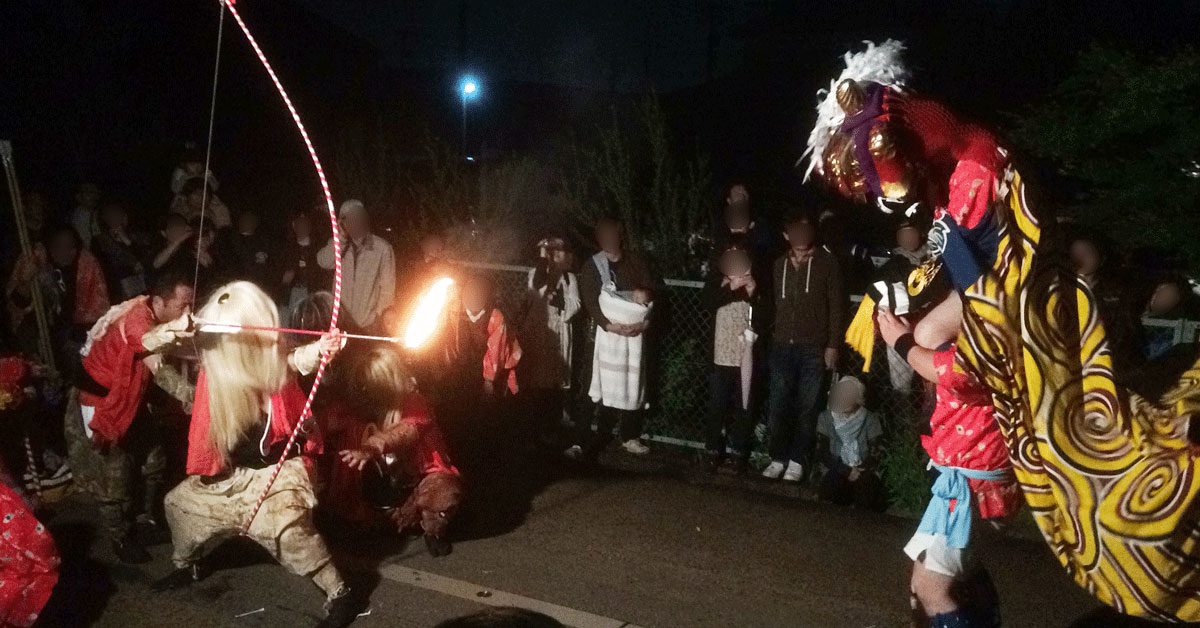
(426, 317)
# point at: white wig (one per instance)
(244, 367)
(878, 64)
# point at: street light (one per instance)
(468, 87)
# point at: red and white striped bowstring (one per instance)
(337, 253)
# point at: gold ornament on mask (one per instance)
(840, 168)
(850, 96)
(882, 144)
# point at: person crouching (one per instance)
(393, 467)
(246, 407)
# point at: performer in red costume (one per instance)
(393, 467)
(247, 404)
(876, 141)
(111, 439)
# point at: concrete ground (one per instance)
(649, 543)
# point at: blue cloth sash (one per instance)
(952, 485)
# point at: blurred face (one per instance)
(175, 229)
(193, 168)
(800, 234)
(1166, 297)
(431, 246)
(171, 308)
(195, 199)
(737, 193)
(1085, 257)
(734, 263)
(908, 239)
(356, 224)
(843, 397)
(248, 222)
(558, 257)
(475, 295)
(302, 226)
(114, 217)
(608, 236)
(737, 215)
(63, 250)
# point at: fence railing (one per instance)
(679, 364)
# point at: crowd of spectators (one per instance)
(777, 293)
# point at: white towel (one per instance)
(618, 376)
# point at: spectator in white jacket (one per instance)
(368, 271)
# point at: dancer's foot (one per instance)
(128, 550)
(179, 578)
(342, 610)
(437, 546)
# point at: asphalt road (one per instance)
(648, 545)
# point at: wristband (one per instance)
(903, 345)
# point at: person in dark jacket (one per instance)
(731, 295)
(254, 255)
(809, 307)
(301, 275)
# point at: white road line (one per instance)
(492, 597)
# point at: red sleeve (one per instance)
(139, 321)
(503, 351)
(972, 190)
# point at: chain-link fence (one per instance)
(679, 363)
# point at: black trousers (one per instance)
(729, 422)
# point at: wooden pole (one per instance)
(45, 348)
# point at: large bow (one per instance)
(337, 249)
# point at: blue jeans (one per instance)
(797, 372)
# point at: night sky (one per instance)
(109, 91)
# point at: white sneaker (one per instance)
(773, 470)
(794, 472)
(574, 452)
(635, 447)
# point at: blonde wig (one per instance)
(379, 380)
(244, 367)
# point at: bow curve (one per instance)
(337, 250)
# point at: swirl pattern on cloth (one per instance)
(1107, 473)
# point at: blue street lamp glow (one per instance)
(468, 87)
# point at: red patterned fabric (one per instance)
(503, 351)
(113, 362)
(286, 406)
(14, 374)
(964, 434)
(28, 562)
(91, 293)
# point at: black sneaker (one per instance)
(343, 610)
(712, 461)
(179, 578)
(437, 546)
(128, 550)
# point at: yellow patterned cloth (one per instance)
(1107, 474)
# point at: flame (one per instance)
(427, 315)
